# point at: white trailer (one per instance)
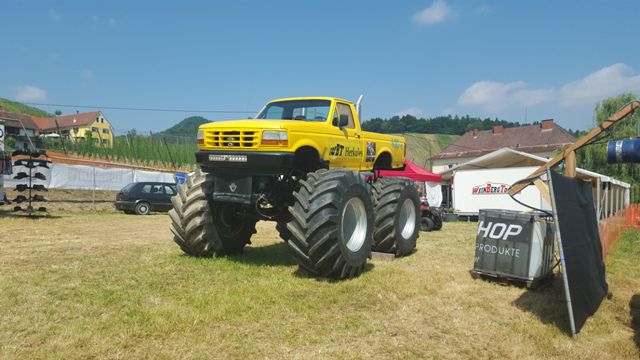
(481, 183)
(487, 189)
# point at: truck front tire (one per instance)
(397, 220)
(203, 228)
(332, 223)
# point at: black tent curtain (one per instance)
(580, 241)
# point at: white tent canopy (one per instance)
(610, 195)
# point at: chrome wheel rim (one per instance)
(407, 219)
(354, 224)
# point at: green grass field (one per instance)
(107, 285)
(420, 147)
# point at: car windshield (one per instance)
(307, 110)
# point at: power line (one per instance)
(144, 109)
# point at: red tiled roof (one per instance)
(80, 119)
(17, 120)
(66, 121)
(49, 123)
(44, 123)
(547, 136)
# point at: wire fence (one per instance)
(612, 227)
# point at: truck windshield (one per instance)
(307, 110)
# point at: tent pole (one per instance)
(563, 267)
(598, 201)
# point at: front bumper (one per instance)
(257, 163)
(124, 205)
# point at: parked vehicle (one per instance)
(306, 164)
(144, 197)
(431, 216)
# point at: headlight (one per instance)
(271, 137)
(200, 137)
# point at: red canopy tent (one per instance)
(414, 172)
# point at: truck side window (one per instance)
(342, 109)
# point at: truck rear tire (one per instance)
(332, 223)
(284, 233)
(203, 228)
(397, 221)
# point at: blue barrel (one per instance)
(623, 151)
(180, 178)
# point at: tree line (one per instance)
(451, 125)
(594, 156)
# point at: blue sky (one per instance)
(555, 59)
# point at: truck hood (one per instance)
(256, 124)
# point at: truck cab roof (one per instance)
(330, 98)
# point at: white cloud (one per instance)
(413, 111)
(29, 93)
(438, 12)
(497, 96)
(86, 74)
(54, 16)
(608, 81)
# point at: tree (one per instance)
(58, 112)
(594, 157)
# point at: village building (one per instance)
(542, 140)
(20, 128)
(78, 127)
(26, 130)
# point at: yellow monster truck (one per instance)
(306, 164)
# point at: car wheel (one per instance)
(426, 224)
(143, 208)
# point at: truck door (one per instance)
(347, 152)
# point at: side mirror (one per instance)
(344, 121)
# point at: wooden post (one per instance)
(570, 164)
(544, 190)
(622, 113)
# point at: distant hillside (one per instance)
(186, 128)
(16, 107)
(420, 145)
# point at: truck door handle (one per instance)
(357, 135)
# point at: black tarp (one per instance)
(584, 265)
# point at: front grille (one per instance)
(232, 138)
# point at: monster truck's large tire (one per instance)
(397, 221)
(283, 231)
(332, 223)
(204, 228)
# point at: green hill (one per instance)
(185, 128)
(16, 107)
(420, 147)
